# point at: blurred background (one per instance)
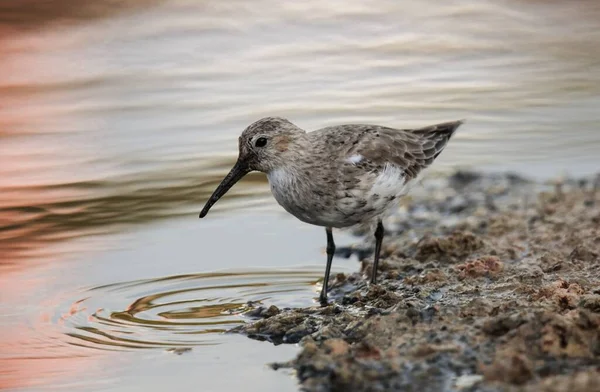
(119, 117)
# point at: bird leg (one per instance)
(378, 239)
(330, 252)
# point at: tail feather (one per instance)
(443, 129)
(435, 137)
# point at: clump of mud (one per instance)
(488, 283)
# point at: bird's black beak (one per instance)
(239, 170)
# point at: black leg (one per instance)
(330, 252)
(378, 238)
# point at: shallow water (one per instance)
(113, 312)
(116, 123)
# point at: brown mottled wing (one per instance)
(413, 150)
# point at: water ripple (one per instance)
(179, 311)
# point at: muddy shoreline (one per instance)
(488, 283)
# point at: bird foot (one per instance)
(323, 301)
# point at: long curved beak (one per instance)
(239, 170)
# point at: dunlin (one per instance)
(338, 176)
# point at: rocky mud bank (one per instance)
(487, 283)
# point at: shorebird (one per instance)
(339, 176)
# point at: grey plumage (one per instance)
(337, 176)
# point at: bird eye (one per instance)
(261, 142)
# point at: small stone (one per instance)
(262, 312)
(467, 381)
(435, 295)
(255, 313)
(271, 311)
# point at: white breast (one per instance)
(285, 189)
(280, 178)
(281, 181)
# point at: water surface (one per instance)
(117, 121)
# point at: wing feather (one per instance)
(410, 149)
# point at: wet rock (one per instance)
(287, 327)
(295, 334)
(263, 312)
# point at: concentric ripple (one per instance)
(180, 311)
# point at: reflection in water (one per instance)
(72, 210)
(179, 311)
(114, 113)
(31, 14)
